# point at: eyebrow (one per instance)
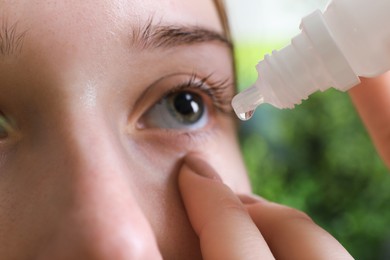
(152, 36)
(148, 36)
(11, 40)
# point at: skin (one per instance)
(79, 177)
(371, 99)
(88, 173)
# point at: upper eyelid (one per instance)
(151, 88)
(220, 87)
(216, 90)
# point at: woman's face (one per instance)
(99, 102)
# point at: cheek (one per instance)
(161, 202)
(161, 157)
(157, 193)
(155, 172)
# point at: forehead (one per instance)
(83, 37)
(103, 18)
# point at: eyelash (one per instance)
(216, 90)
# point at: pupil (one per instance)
(185, 104)
(188, 107)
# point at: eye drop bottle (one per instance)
(351, 39)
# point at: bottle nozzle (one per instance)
(245, 102)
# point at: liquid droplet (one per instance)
(246, 116)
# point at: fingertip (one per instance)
(248, 199)
(195, 164)
(220, 220)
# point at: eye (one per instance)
(183, 109)
(4, 127)
(190, 102)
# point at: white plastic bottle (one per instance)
(350, 39)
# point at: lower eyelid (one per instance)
(181, 140)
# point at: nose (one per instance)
(97, 214)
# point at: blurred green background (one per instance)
(317, 157)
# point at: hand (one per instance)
(247, 227)
(372, 99)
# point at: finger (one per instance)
(220, 220)
(291, 234)
(372, 98)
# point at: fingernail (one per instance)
(248, 199)
(201, 167)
